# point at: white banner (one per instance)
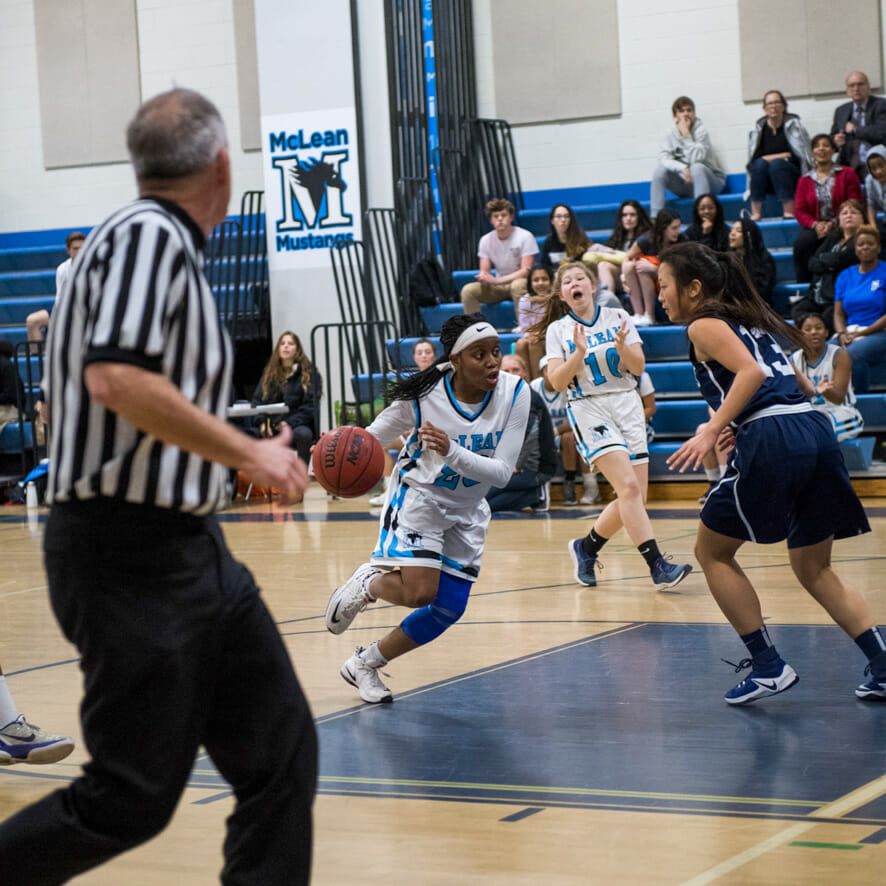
(312, 185)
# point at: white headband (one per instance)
(470, 335)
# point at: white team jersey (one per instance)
(554, 400)
(487, 439)
(601, 373)
(815, 372)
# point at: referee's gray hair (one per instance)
(174, 134)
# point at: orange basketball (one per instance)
(348, 461)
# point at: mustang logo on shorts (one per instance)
(600, 432)
(414, 539)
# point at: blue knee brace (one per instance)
(427, 623)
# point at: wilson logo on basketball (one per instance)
(354, 449)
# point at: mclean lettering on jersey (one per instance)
(479, 442)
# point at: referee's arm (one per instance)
(152, 403)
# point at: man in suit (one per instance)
(859, 124)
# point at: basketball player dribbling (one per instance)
(464, 423)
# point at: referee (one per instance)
(177, 649)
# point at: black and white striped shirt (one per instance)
(137, 295)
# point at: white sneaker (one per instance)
(350, 599)
(377, 500)
(23, 742)
(642, 320)
(591, 495)
(365, 677)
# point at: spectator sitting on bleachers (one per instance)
(538, 456)
(423, 355)
(639, 270)
(834, 255)
(509, 250)
(746, 241)
(530, 309)
(859, 123)
(824, 373)
(631, 221)
(10, 385)
(685, 159)
(875, 187)
(778, 154)
(37, 321)
(860, 308)
(291, 378)
(565, 438)
(820, 193)
(708, 225)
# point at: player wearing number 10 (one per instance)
(595, 354)
(464, 423)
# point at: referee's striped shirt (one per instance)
(137, 294)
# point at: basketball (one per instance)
(348, 461)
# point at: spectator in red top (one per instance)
(819, 194)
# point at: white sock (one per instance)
(713, 474)
(372, 657)
(722, 469)
(8, 710)
(590, 483)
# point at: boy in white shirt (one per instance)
(508, 249)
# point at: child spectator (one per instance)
(566, 240)
(507, 249)
(708, 226)
(824, 372)
(39, 320)
(640, 268)
(530, 310)
(746, 241)
(685, 159)
(875, 186)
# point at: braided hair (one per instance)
(413, 386)
(728, 291)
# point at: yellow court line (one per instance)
(840, 807)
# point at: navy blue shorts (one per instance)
(786, 480)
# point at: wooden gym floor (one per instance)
(557, 734)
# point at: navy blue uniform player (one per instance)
(785, 478)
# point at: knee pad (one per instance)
(427, 623)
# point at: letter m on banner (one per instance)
(312, 191)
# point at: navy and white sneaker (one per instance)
(873, 690)
(348, 601)
(584, 564)
(23, 742)
(666, 574)
(778, 677)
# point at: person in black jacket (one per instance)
(746, 241)
(537, 461)
(10, 384)
(291, 378)
(708, 226)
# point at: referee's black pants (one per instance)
(177, 650)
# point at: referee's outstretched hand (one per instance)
(273, 463)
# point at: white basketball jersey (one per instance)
(493, 428)
(601, 372)
(815, 372)
(554, 400)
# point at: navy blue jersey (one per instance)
(779, 391)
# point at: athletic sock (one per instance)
(713, 474)
(763, 653)
(570, 475)
(871, 643)
(592, 543)
(8, 710)
(372, 657)
(649, 550)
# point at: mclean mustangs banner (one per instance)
(312, 185)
